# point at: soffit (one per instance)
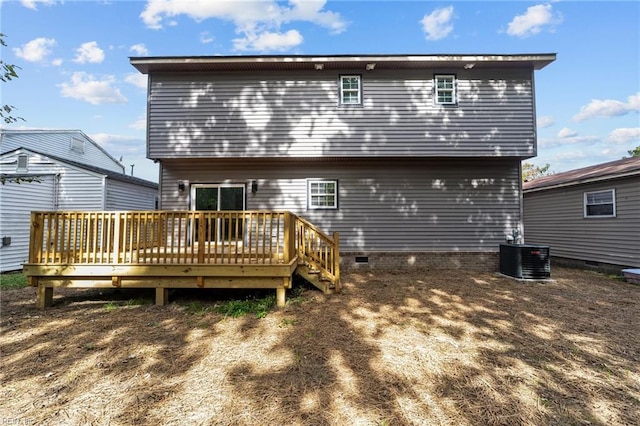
(286, 63)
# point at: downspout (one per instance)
(535, 152)
(521, 204)
(159, 194)
(56, 191)
(104, 192)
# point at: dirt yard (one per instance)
(428, 348)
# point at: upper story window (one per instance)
(350, 90)
(445, 92)
(322, 194)
(77, 145)
(23, 162)
(600, 203)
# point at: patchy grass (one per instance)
(255, 306)
(12, 281)
(425, 347)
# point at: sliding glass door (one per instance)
(220, 197)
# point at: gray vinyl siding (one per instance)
(127, 196)
(555, 217)
(390, 205)
(15, 217)
(297, 114)
(58, 144)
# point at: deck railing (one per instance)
(181, 237)
(318, 250)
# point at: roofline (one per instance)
(594, 179)
(104, 151)
(97, 171)
(146, 64)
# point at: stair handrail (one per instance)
(321, 253)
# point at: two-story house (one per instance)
(414, 159)
(58, 170)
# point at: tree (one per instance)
(7, 74)
(530, 171)
(635, 152)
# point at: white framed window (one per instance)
(77, 145)
(23, 162)
(445, 89)
(600, 203)
(350, 90)
(322, 194)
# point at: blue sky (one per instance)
(76, 74)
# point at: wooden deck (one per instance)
(178, 249)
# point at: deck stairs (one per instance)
(316, 278)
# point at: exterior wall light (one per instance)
(254, 186)
(181, 186)
(370, 67)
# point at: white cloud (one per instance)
(119, 143)
(89, 52)
(245, 14)
(532, 21)
(139, 49)
(140, 123)
(36, 50)
(33, 4)
(624, 135)
(205, 38)
(133, 151)
(608, 108)
(545, 121)
(85, 87)
(570, 155)
(568, 138)
(268, 41)
(566, 132)
(257, 22)
(137, 79)
(437, 25)
(57, 62)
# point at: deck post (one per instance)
(162, 294)
(336, 260)
(201, 236)
(280, 297)
(36, 240)
(116, 239)
(289, 249)
(45, 296)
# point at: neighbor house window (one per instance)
(350, 90)
(322, 194)
(445, 89)
(77, 145)
(23, 162)
(600, 203)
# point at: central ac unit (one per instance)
(525, 261)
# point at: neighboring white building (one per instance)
(73, 173)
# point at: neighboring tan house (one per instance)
(414, 159)
(72, 173)
(589, 217)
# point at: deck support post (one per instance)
(280, 297)
(45, 296)
(162, 294)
